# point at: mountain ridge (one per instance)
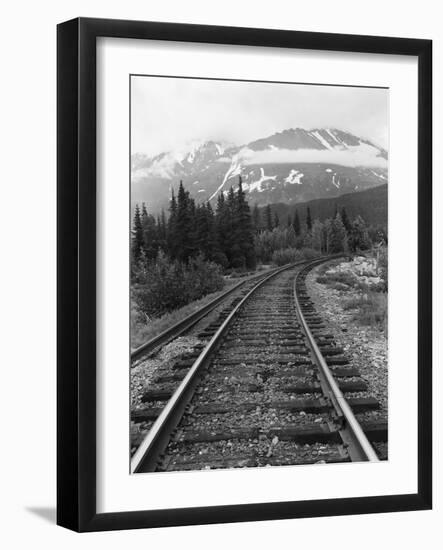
(294, 165)
(371, 204)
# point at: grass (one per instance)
(369, 309)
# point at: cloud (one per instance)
(169, 112)
(362, 155)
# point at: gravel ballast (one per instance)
(365, 346)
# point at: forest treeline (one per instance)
(225, 236)
(181, 256)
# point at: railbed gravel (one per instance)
(144, 370)
(265, 417)
(365, 347)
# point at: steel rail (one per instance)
(188, 322)
(146, 457)
(360, 447)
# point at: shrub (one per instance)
(166, 285)
(286, 256)
(383, 266)
(310, 253)
(291, 255)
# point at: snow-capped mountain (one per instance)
(292, 166)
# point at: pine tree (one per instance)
(206, 240)
(308, 220)
(289, 221)
(296, 224)
(359, 237)
(137, 235)
(221, 230)
(291, 238)
(276, 220)
(162, 231)
(244, 230)
(172, 227)
(337, 241)
(150, 234)
(345, 220)
(325, 234)
(232, 249)
(268, 216)
(256, 218)
(317, 235)
(213, 249)
(184, 238)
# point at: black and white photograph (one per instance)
(259, 274)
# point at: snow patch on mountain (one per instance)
(334, 137)
(257, 185)
(381, 176)
(336, 181)
(235, 169)
(321, 139)
(294, 177)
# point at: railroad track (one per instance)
(267, 387)
(183, 326)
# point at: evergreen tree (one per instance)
(206, 240)
(345, 220)
(308, 220)
(359, 237)
(172, 227)
(291, 238)
(337, 240)
(256, 221)
(213, 249)
(244, 236)
(276, 220)
(289, 221)
(222, 229)
(232, 250)
(137, 235)
(268, 216)
(184, 238)
(150, 234)
(325, 235)
(317, 235)
(162, 231)
(296, 224)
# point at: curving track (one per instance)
(267, 388)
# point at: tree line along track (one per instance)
(257, 394)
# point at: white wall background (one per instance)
(27, 299)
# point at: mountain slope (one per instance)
(371, 205)
(290, 166)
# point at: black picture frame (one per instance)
(76, 249)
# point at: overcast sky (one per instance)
(169, 113)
